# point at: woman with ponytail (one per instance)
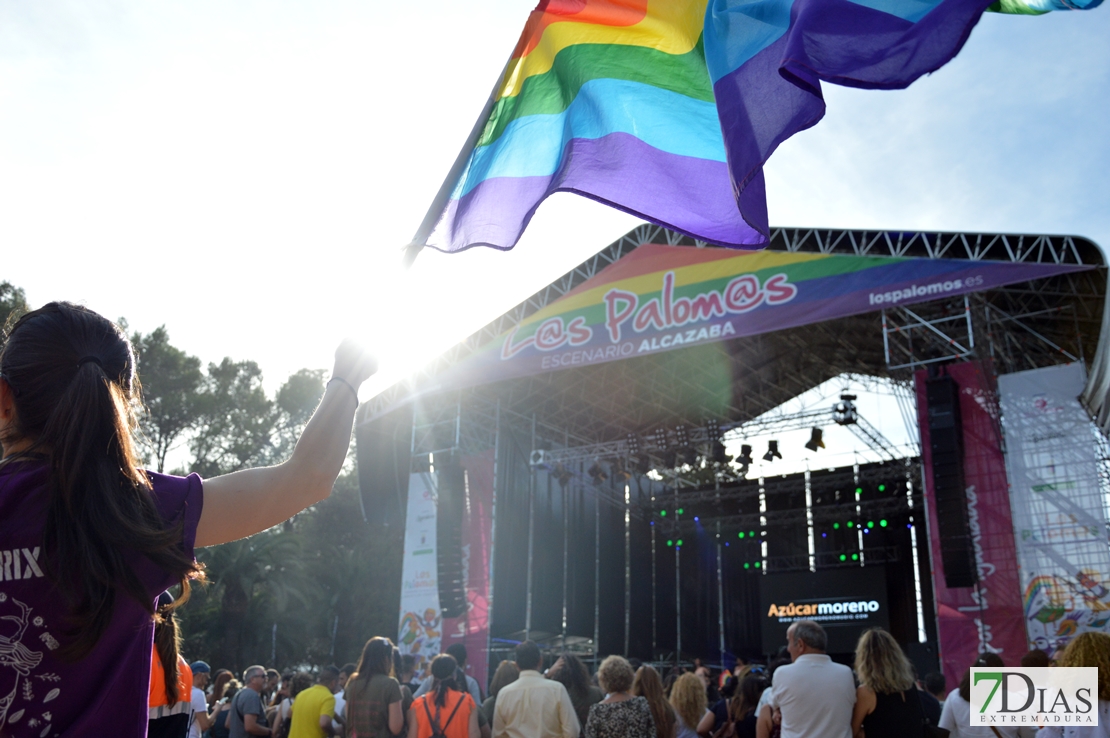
(171, 679)
(446, 711)
(88, 539)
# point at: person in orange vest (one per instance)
(171, 679)
(446, 711)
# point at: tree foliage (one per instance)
(13, 303)
(171, 380)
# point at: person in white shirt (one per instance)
(532, 706)
(814, 694)
(200, 720)
(955, 716)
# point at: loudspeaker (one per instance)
(942, 397)
(450, 508)
(382, 449)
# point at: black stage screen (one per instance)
(844, 601)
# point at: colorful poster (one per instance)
(472, 628)
(1058, 504)
(420, 628)
(660, 298)
(988, 616)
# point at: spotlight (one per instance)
(772, 451)
(745, 457)
(713, 429)
(844, 412)
(597, 473)
(633, 441)
(815, 440)
(619, 470)
(660, 438)
(681, 436)
(563, 475)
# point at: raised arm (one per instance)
(246, 502)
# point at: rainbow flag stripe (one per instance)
(668, 109)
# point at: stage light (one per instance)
(882, 523)
(663, 513)
(843, 557)
(681, 436)
(741, 534)
(757, 565)
(823, 535)
(772, 451)
(866, 530)
(815, 441)
(633, 441)
(679, 542)
(745, 457)
(747, 565)
(859, 490)
(850, 524)
(882, 488)
(870, 523)
(844, 412)
(696, 518)
(680, 510)
(836, 526)
(563, 475)
(751, 534)
(597, 473)
(855, 557)
(660, 437)
(909, 525)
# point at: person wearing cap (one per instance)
(200, 720)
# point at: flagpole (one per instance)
(420, 240)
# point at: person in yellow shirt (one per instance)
(314, 708)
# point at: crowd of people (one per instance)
(800, 693)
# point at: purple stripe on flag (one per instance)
(777, 92)
(686, 194)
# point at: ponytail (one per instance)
(72, 375)
(444, 667)
(167, 642)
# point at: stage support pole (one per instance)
(566, 542)
(720, 598)
(677, 584)
(493, 524)
(531, 531)
(654, 606)
(597, 574)
(627, 566)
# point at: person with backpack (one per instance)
(445, 711)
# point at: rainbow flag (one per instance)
(668, 109)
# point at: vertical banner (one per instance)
(472, 628)
(1058, 506)
(988, 616)
(420, 627)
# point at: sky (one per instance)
(246, 173)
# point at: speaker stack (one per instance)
(942, 396)
(451, 483)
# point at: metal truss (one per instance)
(806, 562)
(800, 516)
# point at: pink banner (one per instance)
(472, 628)
(989, 616)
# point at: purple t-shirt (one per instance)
(106, 692)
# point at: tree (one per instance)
(235, 420)
(171, 380)
(13, 303)
(295, 403)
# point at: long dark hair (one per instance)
(167, 642)
(747, 695)
(443, 669)
(648, 685)
(572, 674)
(72, 375)
(377, 658)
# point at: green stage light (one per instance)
(855, 557)
(751, 533)
(859, 490)
(882, 523)
(663, 513)
(850, 524)
(843, 557)
(836, 526)
(670, 543)
(870, 523)
(882, 488)
(747, 565)
(757, 565)
(680, 511)
(741, 534)
(679, 541)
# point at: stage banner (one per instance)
(1058, 506)
(472, 628)
(420, 628)
(660, 298)
(988, 616)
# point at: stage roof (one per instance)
(1020, 320)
